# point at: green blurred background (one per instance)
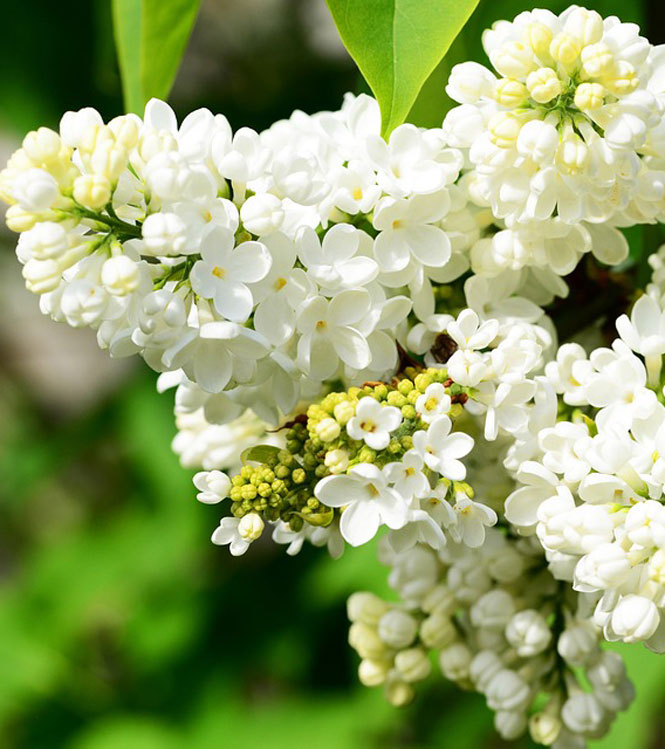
(120, 624)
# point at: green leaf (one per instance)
(397, 44)
(259, 453)
(127, 33)
(150, 38)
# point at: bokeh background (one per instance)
(121, 626)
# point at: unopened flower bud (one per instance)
(251, 526)
(539, 37)
(507, 690)
(18, 219)
(366, 607)
(528, 633)
(437, 631)
(440, 599)
(565, 49)
(399, 693)
(120, 275)
(504, 128)
(35, 190)
(589, 96)
(92, 191)
(42, 146)
(328, 430)
(543, 85)
(597, 60)
(585, 25)
(544, 727)
(47, 239)
(513, 60)
(413, 664)
(510, 724)
(344, 411)
(366, 641)
(622, 79)
(397, 628)
(337, 461)
(510, 93)
(455, 661)
(582, 713)
(572, 155)
(372, 672)
(74, 125)
(42, 276)
(635, 618)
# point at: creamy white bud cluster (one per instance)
(565, 134)
(499, 623)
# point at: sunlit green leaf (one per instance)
(397, 44)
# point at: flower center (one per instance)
(368, 426)
(280, 283)
(219, 272)
(321, 325)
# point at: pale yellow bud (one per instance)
(514, 60)
(108, 159)
(366, 641)
(366, 607)
(120, 276)
(42, 276)
(544, 727)
(437, 631)
(440, 599)
(504, 128)
(585, 25)
(622, 80)
(539, 37)
(510, 93)
(344, 411)
(413, 664)
(94, 136)
(92, 190)
(337, 461)
(372, 672)
(572, 155)
(597, 60)
(399, 693)
(565, 49)
(42, 146)
(543, 85)
(18, 219)
(589, 96)
(327, 430)
(250, 526)
(125, 130)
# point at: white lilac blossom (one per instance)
(363, 336)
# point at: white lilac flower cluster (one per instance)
(590, 486)
(358, 335)
(500, 624)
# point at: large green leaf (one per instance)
(150, 38)
(397, 44)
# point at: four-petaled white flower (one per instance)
(329, 333)
(441, 450)
(407, 477)
(373, 423)
(472, 519)
(224, 272)
(433, 402)
(367, 500)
